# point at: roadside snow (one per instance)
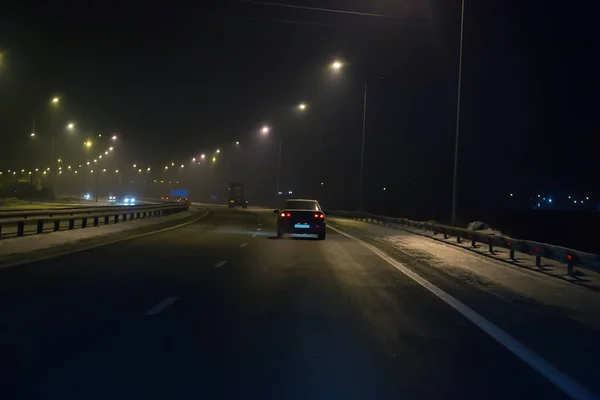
(26, 244)
(549, 285)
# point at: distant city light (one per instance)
(203, 156)
(114, 137)
(511, 195)
(290, 192)
(194, 159)
(549, 200)
(587, 198)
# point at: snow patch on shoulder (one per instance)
(484, 228)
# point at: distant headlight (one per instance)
(133, 200)
(126, 200)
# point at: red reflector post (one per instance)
(570, 257)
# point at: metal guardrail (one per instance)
(19, 218)
(564, 255)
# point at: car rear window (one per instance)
(302, 205)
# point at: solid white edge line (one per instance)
(160, 307)
(93, 246)
(220, 264)
(528, 356)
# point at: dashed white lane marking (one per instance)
(543, 367)
(160, 307)
(220, 264)
(253, 235)
(243, 244)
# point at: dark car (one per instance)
(301, 216)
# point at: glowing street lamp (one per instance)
(55, 100)
(32, 134)
(302, 107)
(114, 137)
(88, 144)
(203, 156)
(336, 65)
(264, 130)
(218, 151)
(237, 143)
(71, 126)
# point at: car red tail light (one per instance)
(288, 215)
(320, 215)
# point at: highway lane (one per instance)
(222, 309)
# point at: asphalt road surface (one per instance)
(222, 309)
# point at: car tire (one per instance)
(322, 235)
(279, 232)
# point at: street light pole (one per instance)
(362, 151)
(462, 19)
(278, 167)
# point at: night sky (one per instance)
(175, 81)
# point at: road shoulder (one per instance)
(56, 244)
